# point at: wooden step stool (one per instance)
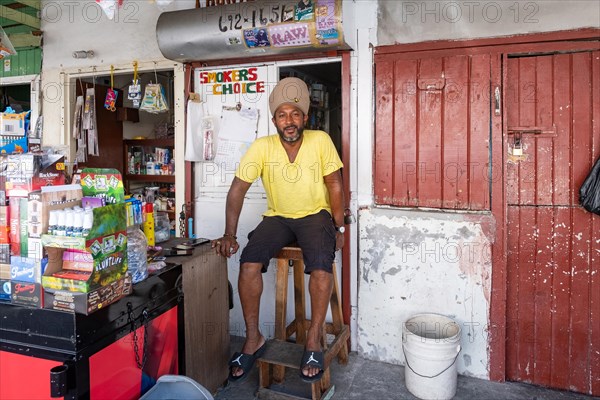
(280, 353)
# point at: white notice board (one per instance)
(233, 96)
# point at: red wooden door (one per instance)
(553, 293)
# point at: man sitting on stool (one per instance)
(300, 171)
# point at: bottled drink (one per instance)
(137, 247)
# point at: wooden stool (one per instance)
(281, 353)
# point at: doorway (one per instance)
(129, 131)
(213, 178)
(553, 244)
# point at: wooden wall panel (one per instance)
(479, 137)
(405, 142)
(432, 145)
(384, 134)
(455, 190)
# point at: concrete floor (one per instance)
(370, 380)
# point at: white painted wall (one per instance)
(418, 21)
(415, 262)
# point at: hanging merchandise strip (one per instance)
(89, 119)
(135, 90)
(80, 155)
(154, 100)
(110, 102)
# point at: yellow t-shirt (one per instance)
(294, 190)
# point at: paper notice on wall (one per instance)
(229, 153)
(238, 131)
(239, 125)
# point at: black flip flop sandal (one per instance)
(311, 359)
(245, 362)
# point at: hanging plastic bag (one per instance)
(163, 4)
(193, 133)
(110, 101)
(154, 100)
(109, 7)
(589, 193)
(6, 47)
(208, 135)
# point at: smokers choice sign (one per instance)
(231, 81)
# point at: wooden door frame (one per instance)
(346, 91)
(499, 48)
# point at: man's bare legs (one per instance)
(320, 286)
(250, 287)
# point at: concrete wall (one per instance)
(418, 21)
(70, 26)
(415, 262)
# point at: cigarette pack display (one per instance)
(5, 271)
(92, 202)
(5, 290)
(72, 274)
(23, 227)
(77, 261)
(27, 294)
(87, 303)
(4, 225)
(15, 226)
(106, 243)
(105, 183)
(26, 269)
(28, 172)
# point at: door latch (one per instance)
(497, 101)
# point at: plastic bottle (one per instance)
(149, 224)
(52, 221)
(60, 224)
(150, 166)
(132, 164)
(69, 222)
(88, 221)
(137, 247)
(78, 223)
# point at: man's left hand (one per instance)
(339, 241)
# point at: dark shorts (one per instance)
(315, 235)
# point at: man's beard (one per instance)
(291, 139)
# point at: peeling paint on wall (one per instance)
(413, 262)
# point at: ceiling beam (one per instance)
(37, 4)
(25, 40)
(19, 17)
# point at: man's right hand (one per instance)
(225, 246)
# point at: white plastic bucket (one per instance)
(431, 344)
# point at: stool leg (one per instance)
(280, 311)
(264, 374)
(299, 302)
(336, 315)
